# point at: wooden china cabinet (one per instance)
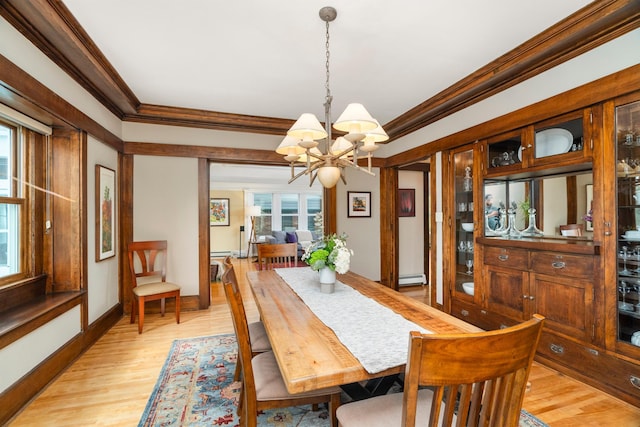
(580, 168)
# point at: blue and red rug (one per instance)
(196, 388)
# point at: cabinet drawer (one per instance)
(594, 366)
(561, 264)
(506, 257)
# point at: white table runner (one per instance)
(376, 335)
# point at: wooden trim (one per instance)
(218, 154)
(53, 29)
(204, 241)
(608, 87)
(389, 244)
(125, 222)
(590, 27)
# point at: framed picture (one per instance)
(219, 212)
(406, 202)
(359, 204)
(105, 213)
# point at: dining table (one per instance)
(311, 355)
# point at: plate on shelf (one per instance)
(550, 142)
(631, 239)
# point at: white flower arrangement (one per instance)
(331, 251)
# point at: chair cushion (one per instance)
(269, 382)
(383, 411)
(281, 236)
(155, 288)
(259, 339)
(305, 238)
(291, 237)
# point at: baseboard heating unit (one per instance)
(412, 279)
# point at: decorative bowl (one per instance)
(468, 288)
(467, 226)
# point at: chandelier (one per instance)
(362, 132)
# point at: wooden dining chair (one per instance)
(574, 230)
(277, 255)
(148, 268)
(262, 383)
(257, 334)
(473, 379)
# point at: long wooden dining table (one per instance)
(309, 353)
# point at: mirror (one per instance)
(558, 201)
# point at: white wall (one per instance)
(102, 286)
(165, 207)
(411, 229)
(364, 233)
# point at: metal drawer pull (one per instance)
(558, 349)
(503, 257)
(635, 381)
(464, 312)
(558, 264)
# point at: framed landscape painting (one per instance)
(219, 212)
(105, 213)
(359, 204)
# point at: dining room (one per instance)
(122, 394)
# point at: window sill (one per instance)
(36, 311)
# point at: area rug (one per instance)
(196, 388)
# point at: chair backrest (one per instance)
(240, 325)
(277, 255)
(148, 261)
(229, 274)
(571, 229)
(488, 371)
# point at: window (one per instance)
(11, 202)
(287, 211)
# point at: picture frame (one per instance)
(406, 202)
(105, 224)
(359, 204)
(218, 212)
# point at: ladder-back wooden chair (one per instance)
(262, 383)
(257, 334)
(148, 267)
(574, 230)
(277, 255)
(474, 379)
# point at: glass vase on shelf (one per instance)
(532, 230)
(512, 232)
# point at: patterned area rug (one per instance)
(196, 388)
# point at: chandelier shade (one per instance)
(301, 146)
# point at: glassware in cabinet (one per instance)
(628, 188)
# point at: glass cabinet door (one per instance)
(464, 226)
(628, 180)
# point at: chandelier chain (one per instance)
(328, 97)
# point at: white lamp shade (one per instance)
(356, 119)
(328, 176)
(307, 128)
(254, 210)
(376, 135)
(289, 146)
(340, 145)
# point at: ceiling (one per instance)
(255, 66)
(259, 58)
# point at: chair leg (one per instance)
(162, 307)
(236, 374)
(178, 308)
(140, 314)
(133, 308)
(333, 407)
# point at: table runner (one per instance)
(376, 335)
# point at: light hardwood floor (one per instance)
(109, 384)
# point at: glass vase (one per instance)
(532, 230)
